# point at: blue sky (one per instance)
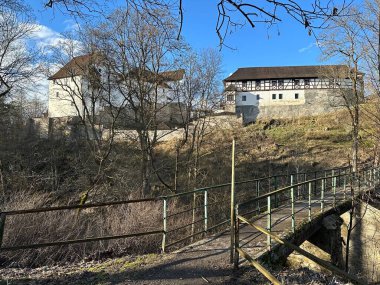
(287, 43)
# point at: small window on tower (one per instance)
(244, 98)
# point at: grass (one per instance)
(123, 263)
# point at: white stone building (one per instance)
(285, 92)
(75, 87)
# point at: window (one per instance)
(257, 97)
(244, 98)
(230, 98)
(296, 96)
(257, 83)
(281, 83)
(307, 82)
(274, 83)
(244, 84)
(57, 94)
(279, 96)
(273, 96)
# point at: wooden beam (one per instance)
(310, 256)
(259, 267)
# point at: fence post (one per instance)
(291, 180)
(205, 210)
(293, 212)
(2, 226)
(232, 206)
(334, 191)
(164, 219)
(310, 201)
(323, 195)
(269, 222)
(236, 239)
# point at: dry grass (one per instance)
(73, 224)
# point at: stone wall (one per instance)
(317, 102)
(364, 257)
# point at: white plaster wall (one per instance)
(63, 104)
(265, 98)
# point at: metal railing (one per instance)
(185, 216)
(314, 196)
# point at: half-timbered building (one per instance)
(286, 91)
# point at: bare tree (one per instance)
(140, 56)
(17, 60)
(342, 42)
(84, 87)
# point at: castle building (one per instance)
(287, 91)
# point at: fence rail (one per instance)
(324, 191)
(185, 216)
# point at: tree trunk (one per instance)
(355, 139)
(145, 174)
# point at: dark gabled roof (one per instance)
(277, 72)
(173, 75)
(79, 65)
(76, 66)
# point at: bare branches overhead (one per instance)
(232, 14)
(311, 14)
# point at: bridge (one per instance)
(218, 228)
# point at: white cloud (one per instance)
(45, 38)
(310, 46)
(71, 25)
